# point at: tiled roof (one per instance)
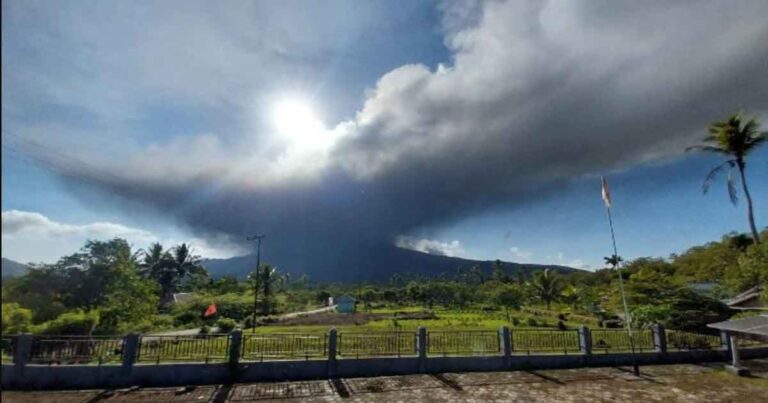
(746, 295)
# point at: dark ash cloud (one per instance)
(536, 93)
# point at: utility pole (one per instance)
(258, 239)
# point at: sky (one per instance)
(470, 129)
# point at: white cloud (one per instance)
(452, 248)
(27, 224)
(520, 255)
(560, 259)
(33, 237)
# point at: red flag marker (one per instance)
(210, 311)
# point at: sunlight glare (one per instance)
(296, 121)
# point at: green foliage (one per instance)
(226, 325)
(751, 270)
(130, 300)
(267, 280)
(547, 285)
(162, 322)
(644, 316)
(226, 285)
(693, 311)
(187, 318)
(204, 329)
(497, 271)
(509, 296)
(70, 323)
(709, 262)
(734, 139)
(170, 269)
(43, 290)
(15, 319)
(235, 306)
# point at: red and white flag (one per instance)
(606, 192)
(210, 311)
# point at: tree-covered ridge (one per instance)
(108, 287)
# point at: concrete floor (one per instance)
(671, 383)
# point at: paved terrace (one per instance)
(667, 383)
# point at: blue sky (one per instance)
(468, 129)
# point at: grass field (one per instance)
(397, 319)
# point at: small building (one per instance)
(345, 304)
(750, 300)
(183, 297)
(751, 328)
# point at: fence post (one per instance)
(659, 338)
(22, 350)
(332, 339)
(130, 350)
(585, 340)
(421, 344)
(235, 344)
(506, 345)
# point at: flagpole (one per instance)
(628, 318)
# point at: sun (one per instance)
(295, 120)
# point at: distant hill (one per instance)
(378, 266)
(12, 268)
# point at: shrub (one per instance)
(16, 319)
(531, 322)
(248, 323)
(71, 323)
(515, 321)
(162, 321)
(235, 306)
(226, 325)
(204, 329)
(612, 324)
(186, 318)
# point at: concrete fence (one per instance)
(425, 352)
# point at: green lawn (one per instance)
(447, 319)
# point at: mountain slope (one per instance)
(378, 266)
(12, 268)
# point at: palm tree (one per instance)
(613, 260)
(156, 266)
(170, 268)
(572, 295)
(547, 286)
(735, 140)
(269, 279)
